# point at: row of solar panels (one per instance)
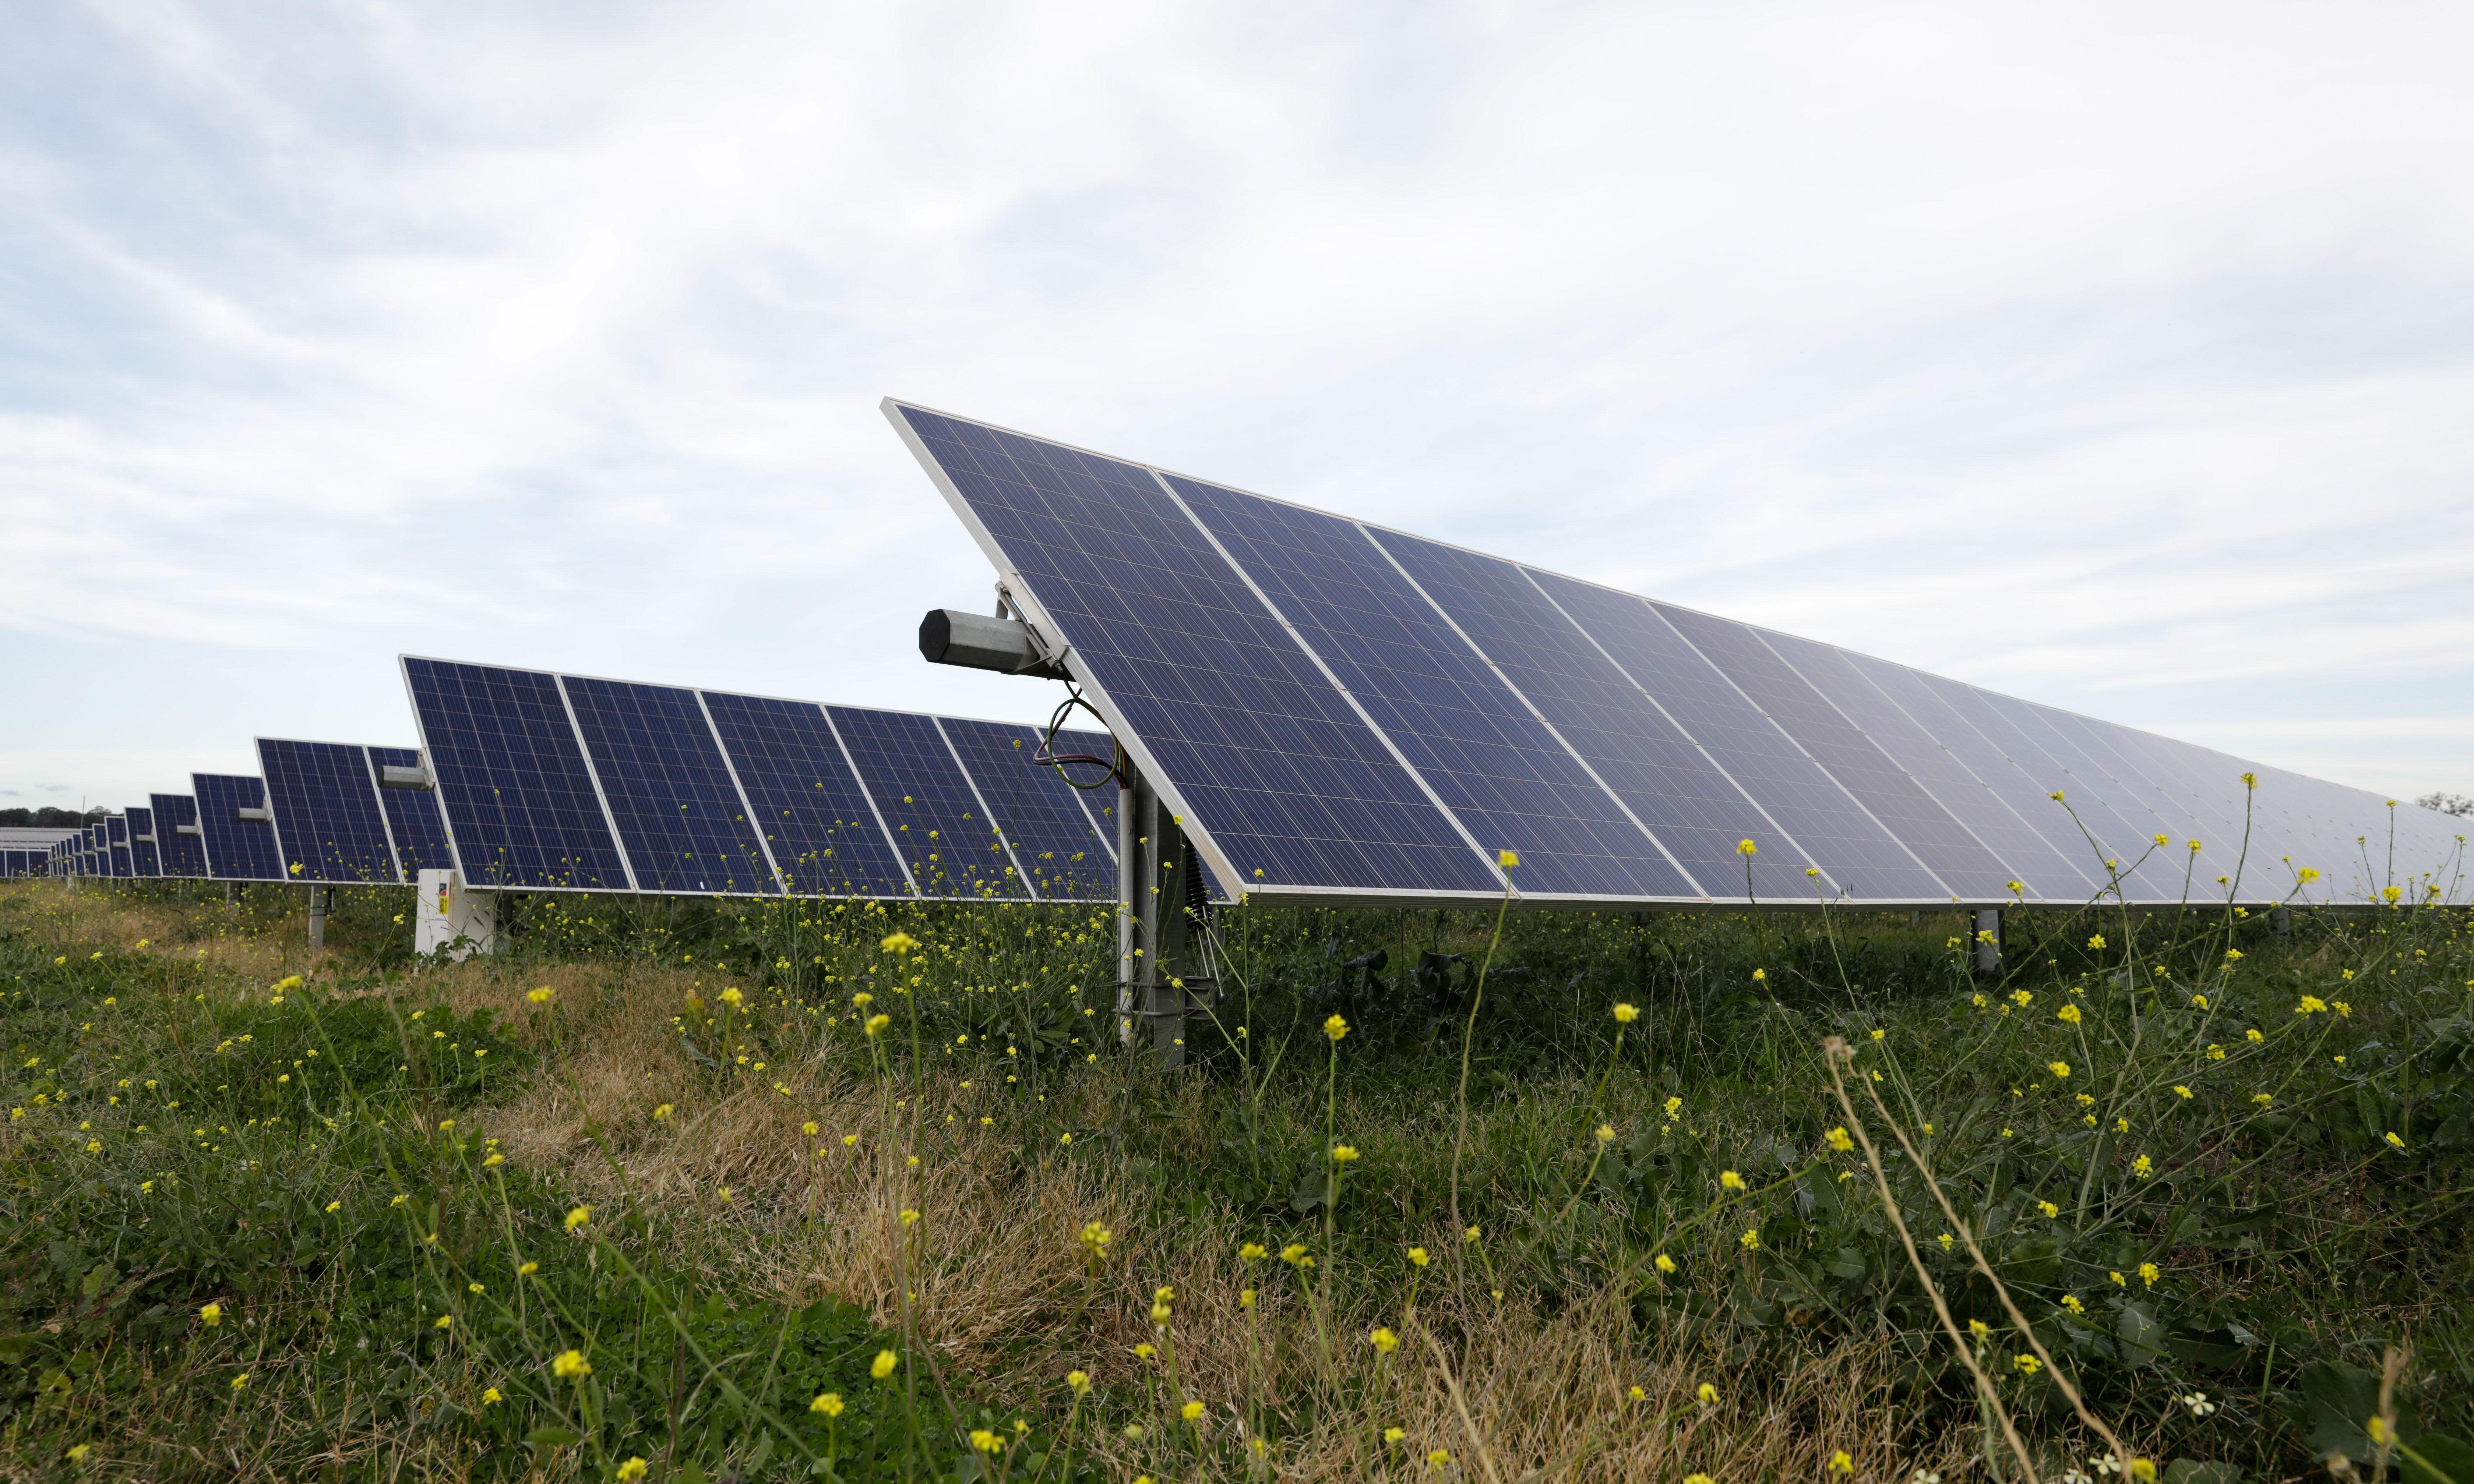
(541, 781)
(1345, 712)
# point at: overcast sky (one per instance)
(2120, 357)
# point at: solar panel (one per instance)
(1340, 711)
(1053, 837)
(142, 854)
(819, 824)
(237, 828)
(1200, 681)
(1490, 757)
(677, 809)
(329, 821)
(673, 790)
(941, 830)
(522, 807)
(178, 839)
(411, 807)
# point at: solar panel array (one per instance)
(1344, 712)
(566, 783)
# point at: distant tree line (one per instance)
(2448, 803)
(49, 818)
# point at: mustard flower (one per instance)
(1418, 1254)
(1841, 1462)
(540, 997)
(2058, 1068)
(1664, 1264)
(1731, 1179)
(2149, 1273)
(632, 1469)
(212, 1315)
(884, 1363)
(1507, 859)
(899, 943)
(578, 1217)
(1626, 1014)
(1705, 1394)
(570, 1365)
(2048, 1209)
(1335, 1027)
(489, 1396)
(1342, 1154)
(1839, 1138)
(1078, 1382)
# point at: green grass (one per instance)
(2267, 1256)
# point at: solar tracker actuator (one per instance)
(1163, 942)
(1004, 643)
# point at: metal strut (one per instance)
(1164, 966)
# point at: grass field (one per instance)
(634, 1197)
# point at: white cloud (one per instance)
(2108, 356)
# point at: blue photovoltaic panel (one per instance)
(946, 838)
(2058, 768)
(817, 820)
(182, 851)
(519, 804)
(123, 861)
(237, 850)
(141, 842)
(1279, 774)
(328, 819)
(1856, 853)
(1897, 809)
(412, 818)
(1052, 834)
(1696, 811)
(2042, 872)
(1494, 765)
(1324, 735)
(678, 812)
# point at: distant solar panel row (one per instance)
(1347, 713)
(561, 783)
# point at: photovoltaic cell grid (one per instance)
(178, 842)
(236, 848)
(141, 842)
(1346, 711)
(412, 817)
(673, 790)
(329, 821)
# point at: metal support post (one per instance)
(2281, 922)
(322, 901)
(1161, 960)
(231, 893)
(1988, 939)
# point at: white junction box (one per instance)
(450, 911)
